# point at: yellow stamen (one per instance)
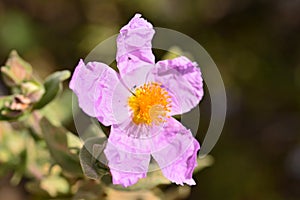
(150, 104)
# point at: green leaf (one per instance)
(59, 111)
(90, 154)
(56, 140)
(52, 85)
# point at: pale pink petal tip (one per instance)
(75, 74)
(126, 167)
(134, 45)
(126, 179)
(181, 171)
(136, 22)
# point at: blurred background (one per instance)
(256, 46)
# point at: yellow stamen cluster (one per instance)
(150, 104)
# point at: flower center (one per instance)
(150, 104)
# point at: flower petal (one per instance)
(182, 79)
(134, 45)
(94, 84)
(125, 178)
(131, 138)
(181, 171)
(127, 160)
(175, 151)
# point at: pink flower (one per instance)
(138, 104)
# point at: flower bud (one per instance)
(12, 107)
(16, 70)
(32, 90)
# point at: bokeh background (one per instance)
(255, 44)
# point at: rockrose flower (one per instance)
(138, 103)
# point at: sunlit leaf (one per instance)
(73, 141)
(55, 185)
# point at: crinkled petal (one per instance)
(182, 79)
(94, 84)
(175, 151)
(181, 171)
(127, 159)
(125, 178)
(134, 45)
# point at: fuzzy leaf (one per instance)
(89, 158)
(56, 139)
(52, 85)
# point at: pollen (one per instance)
(150, 104)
